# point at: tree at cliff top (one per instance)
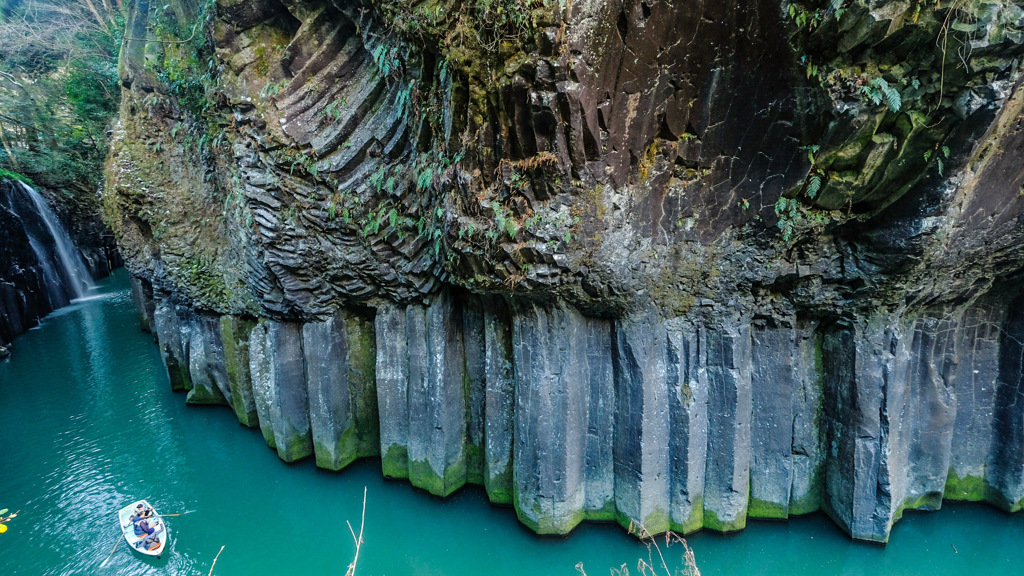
(58, 88)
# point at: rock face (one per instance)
(671, 263)
(28, 290)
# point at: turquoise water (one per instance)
(88, 423)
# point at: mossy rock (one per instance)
(395, 462)
(713, 522)
(695, 521)
(656, 522)
(295, 448)
(339, 454)
(498, 483)
(544, 524)
(177, 373)
(967, 489)
(928, 501)
(606, 513)
(234, 333)
(811, 501)
(422, 475)
(203, 396)
(757, 508)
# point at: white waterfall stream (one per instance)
(66, 266)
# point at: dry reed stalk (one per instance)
(358, 540)
(648, 567)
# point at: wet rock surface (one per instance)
(673, 263)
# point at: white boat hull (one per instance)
(124, 520)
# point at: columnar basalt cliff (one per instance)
(677, 263)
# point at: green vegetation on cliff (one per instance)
(58, 89)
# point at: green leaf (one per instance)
(893, 99)
(813, 185)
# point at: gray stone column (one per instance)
(727, 481)
(642, 422)
(499, 409)
(339, 361)
(169, 336)
(550, 351)
(688, 421)
(279, 386)
(234, 332)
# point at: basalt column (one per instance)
(170, 334)
(729, 413)
(206, 364)
(550, 417)
(974, 377)
(421, 394)
(339, 360)
(785, 454)
(688, 418)
(859, 367)
(235, 332)
(1006, 469)
(279, 388)
(642, 422)
(922, 443)
(499, 403)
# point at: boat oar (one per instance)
(168, 515)
(118, 543)
(215, 561)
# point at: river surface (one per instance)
(88, 423)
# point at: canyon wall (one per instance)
(671, 263)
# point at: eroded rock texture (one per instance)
(678, 263)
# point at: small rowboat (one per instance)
(155, 522)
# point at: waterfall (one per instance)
(66, 267)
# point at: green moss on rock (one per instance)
(757, 508)
(695, 521)
(810, 501)
(713, 522)
(203, 396)
(474, 464)
(296, 447)
(969, 488)
(542, 523)
(499, 485)
(234, 334)
(177, 373)
(928, 501)
(395, 462)
(422, 475)
(606, 513)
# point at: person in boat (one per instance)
(152, 540)
(137, 515)
(141, 522)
